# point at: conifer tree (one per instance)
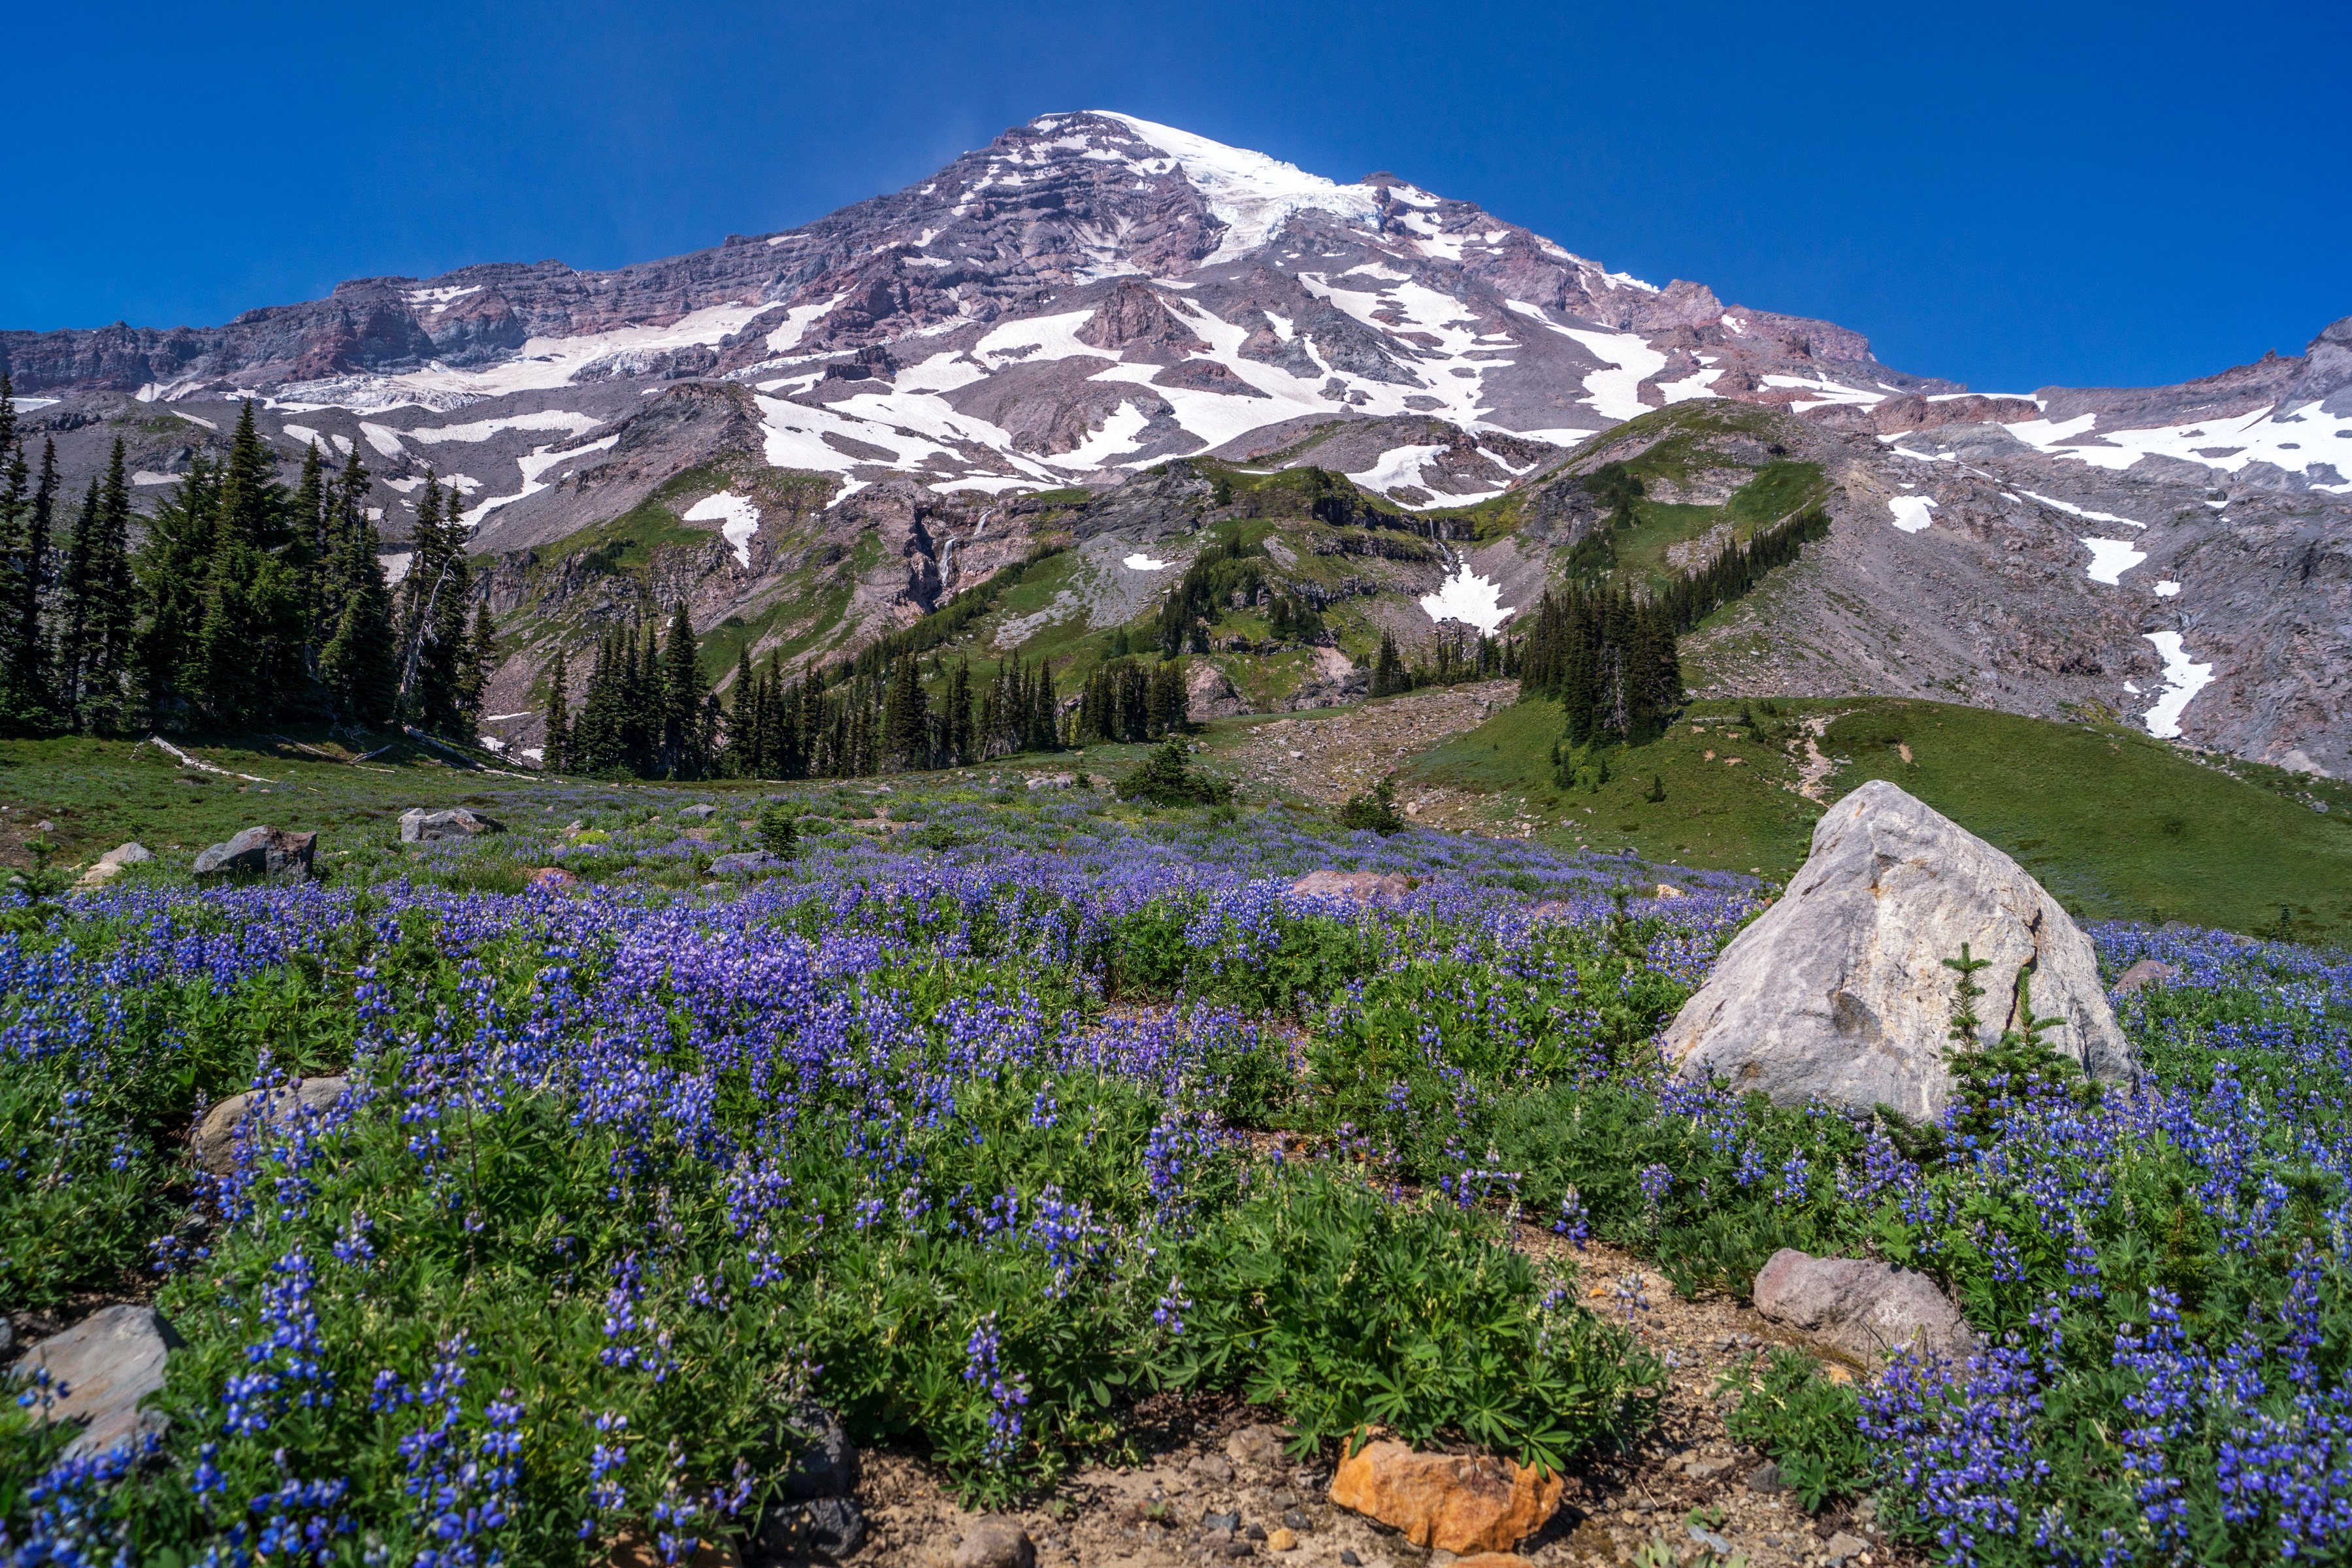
(359, 658)
(906, 722)
(481, 660)
(26, 640)
(1389, 676)
(555, 752)
(679, 689)
(957, 731)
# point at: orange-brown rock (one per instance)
(1455, 1502)
(1493, 1560)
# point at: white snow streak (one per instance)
(2111, 558)
(1910, 511)
(1469, 598)
(1142, 562)
(2182, 680)
(736, 518)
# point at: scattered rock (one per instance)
(418, 825)
(827, 1462)
(1052, 780)
(747, 862)
(260, 852)
(1860, 1308)
(1839, 991)
(107, 1362)
(1360, 886)
(1456, 1502)
(995, 1543)
(1841, 1546)
(702, 811)
(1668, 890)
(1493, 1560)
(1214, 1469)
(1766, 1478)
(1281, 1540)
(216, 1140)
(1257, 1452)
(553, 880)
(2147, 971)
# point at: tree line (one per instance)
(246, 604)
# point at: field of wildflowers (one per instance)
(982, 1122)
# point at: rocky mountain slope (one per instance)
(816, 436)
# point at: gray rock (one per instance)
(1766, 1478)
(2147, 971)
(1842, 1546)
(216, 1140)
(826, 1465)
(109, 865)
(1839, 991)
(1052, 780)
(107, 1364)
(272, 852)
(1360, 886)
(1256, 1453)
(747, 862)
(702, 812)
(830, 1527)
(1858, 1307)
(995, 1542)
(418, 825)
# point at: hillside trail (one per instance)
(1205, 1460)
(1813, 777)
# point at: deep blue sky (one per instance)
(2008, 195)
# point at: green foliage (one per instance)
(778, 829)
(1374, 811)
(1344, 1310)
(1805, 1419)
(1167, 778)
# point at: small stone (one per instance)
(108, 1362)
(1286, 1499)
(1254, 1532)
(1710, 1540)
(2146, 972)
(1350, 1559)
(1281, 1541)
(1297, 1519)
(1668, 890)
(1228, 1522)
(1493, 1560)
(1766, 1478)
(995, 1542)
(1841, 1546)
(701, 812)
(1701, 1469)
(214, 1144)
(1212, 1468)
(1256, 1453)
(1859, 1307)
(1456, 1502)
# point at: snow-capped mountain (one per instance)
(1092, 295)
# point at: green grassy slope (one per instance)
(2117, 825)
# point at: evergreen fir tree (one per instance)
(481, 660)
(99, 611)
(74, 658)
(906, 720)
(681, 688)
(359, 659)
(555, 752)
(28, 641)
(1389, 676)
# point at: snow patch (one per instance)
(1910, 511)
(1142, 562)
(2167, 589)
(2071, 509)
(1250, 193)
(539, 461)
(483, 430)
(2182, 680)
(1469, 598)
(736, 518)
(2111, 558)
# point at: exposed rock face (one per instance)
(215, 1142)
(816, 1513)
(1861, 1308)
(1451, 1502)
(2146, 972)
(111, 865)
(270, 852)
(418, 825)
(107, 1363)
(1839, 991)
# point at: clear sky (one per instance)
(2010, 195)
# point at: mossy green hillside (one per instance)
(2115, 823)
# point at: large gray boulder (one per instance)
(107, 1364)
(1859, 1309)
(1839, 991)
(418, 825)
(215, 1139)
(259, 852)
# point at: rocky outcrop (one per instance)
(1447, 1502)
(1357, 886)
(995, 1543)
(1839, 991)
(215, 1142)
(1862, 1310)
(268, 852)
(815, 1513)
(111, 864)
(107, 1367)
